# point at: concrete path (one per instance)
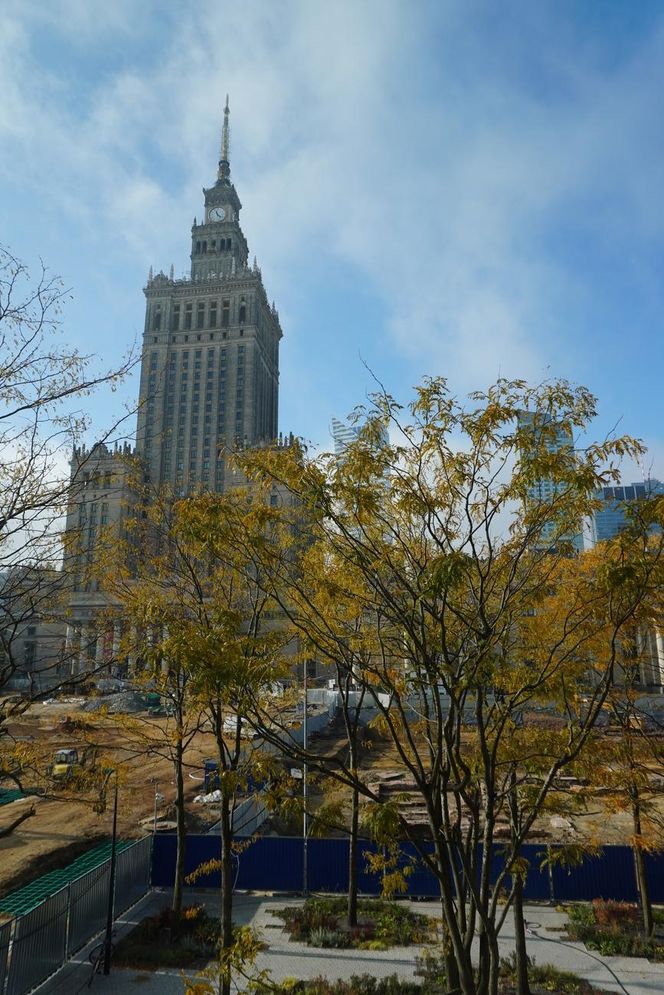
(546, 945)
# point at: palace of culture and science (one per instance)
(209, 383)
(210, 361)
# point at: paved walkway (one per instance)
(630, 976)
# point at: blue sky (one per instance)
(463, 188)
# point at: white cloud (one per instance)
(442, 198)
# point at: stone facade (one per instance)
(210, 366)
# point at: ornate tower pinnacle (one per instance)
(224, 166)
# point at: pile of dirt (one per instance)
(125, 702)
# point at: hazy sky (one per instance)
(471, 189)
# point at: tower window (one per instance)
(243, 311)
(156, 318)
(203, 246)
(200, 315)
(188, 310)
(225, 312)
(175, 318)
(213, 314)
(198, 246)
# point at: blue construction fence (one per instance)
(275, 863)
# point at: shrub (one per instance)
(608, 913)
(328, 938)
(382, 924)
(581, 915)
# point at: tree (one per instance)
(235, 651)
(199, 631)
(42, 386)
(626, 766)
(160, 597)
(456, 539)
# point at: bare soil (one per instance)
(65, 823)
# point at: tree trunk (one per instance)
(451, 967)
(181, 836)
(494, 962)
(458, 961)
(640, 872)
(483, 972)
(352, 857)
(521, 960)
(226, 832)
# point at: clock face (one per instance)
(216, 214)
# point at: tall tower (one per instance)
(210, 358)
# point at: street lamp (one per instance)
(111, 883)
(305, 799)
(158, 797)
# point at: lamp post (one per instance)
(305, 821)
(111, 882)
(158, 797)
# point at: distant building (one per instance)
(102, 499)
(608, 521)
(209, 385)
(544, 491)
(33, 605)
(344, 434)
(210, 363)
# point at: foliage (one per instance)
(612, 928)
(362, 984)
(381, 924)
(430, 559)
(234, 960)
(43, 386)
(151, 944)
(431, 968)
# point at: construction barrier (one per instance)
(48, 928)
(276, 863)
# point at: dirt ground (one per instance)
(65, 823)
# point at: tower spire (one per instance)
(224, 166)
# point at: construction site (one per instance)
(60, 813)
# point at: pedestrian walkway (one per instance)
(283, 959)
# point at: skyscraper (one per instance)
(343, 435)
(209, 382)
(210, 359)
(556, 438)
(612, 516)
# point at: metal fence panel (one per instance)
(38, 949)
(274, 858)
(88, 906)
(655, 873)
(274, 863)
(250, 815)
(132, 874)
(609, 876)
(5, 934)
